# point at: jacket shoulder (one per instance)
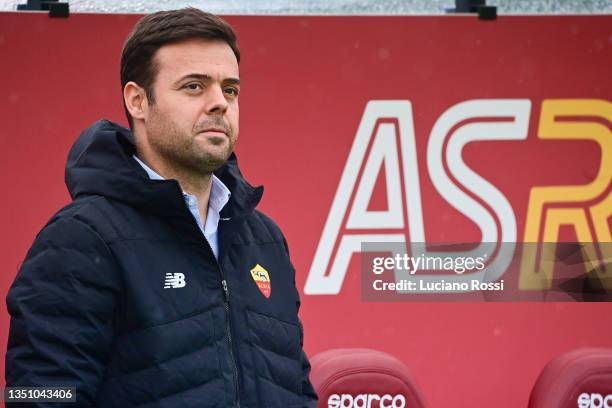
(91, 212)
(265, 229)
(67, 250)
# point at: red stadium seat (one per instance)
(578, 379)
(363, 378)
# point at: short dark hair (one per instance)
(167, 27)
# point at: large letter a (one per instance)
(384, 126)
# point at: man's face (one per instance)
(193, 122)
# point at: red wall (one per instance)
(306, 82)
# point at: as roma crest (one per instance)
(262, 279)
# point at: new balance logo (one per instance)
(174, 281)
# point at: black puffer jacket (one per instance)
(122, 297)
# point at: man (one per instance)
(160, 285)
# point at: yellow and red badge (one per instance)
(262, 280)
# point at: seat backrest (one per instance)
(578, 379)
(363, 378)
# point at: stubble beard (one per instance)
(181, 151)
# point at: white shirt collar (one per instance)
(219, 193)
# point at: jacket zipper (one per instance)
(228, 328)
(226, 295)
(229, 339)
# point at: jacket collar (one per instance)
(100, 163)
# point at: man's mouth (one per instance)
(213, 131)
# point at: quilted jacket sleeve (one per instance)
(310, 395)
(62, 305)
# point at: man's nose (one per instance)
(216, 102)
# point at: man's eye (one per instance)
(232, 91)
(193, 87)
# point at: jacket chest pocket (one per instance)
(276, 354)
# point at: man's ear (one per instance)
(136, 101)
